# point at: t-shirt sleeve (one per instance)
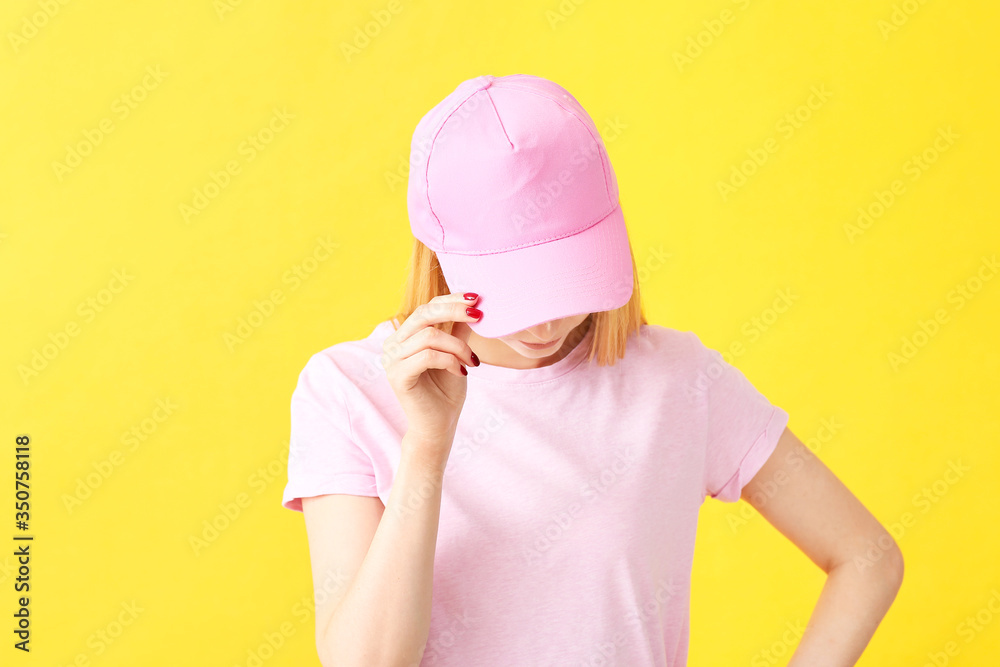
(743, 425)
(322, 456)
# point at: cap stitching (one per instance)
(499, 120)
(430, 154)
(604, 166)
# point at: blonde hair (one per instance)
(612, 328)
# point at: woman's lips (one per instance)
(539, 346)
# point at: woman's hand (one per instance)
(425, 369)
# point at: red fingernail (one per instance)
(470, 296)
(464, 372)
(474, 312)
(475, 359)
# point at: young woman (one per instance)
(509, 471)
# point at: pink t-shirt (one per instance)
(571, 496)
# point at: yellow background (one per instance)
(334, 171)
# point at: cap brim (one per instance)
(585, 273)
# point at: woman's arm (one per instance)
(809, 505)
(383, 559)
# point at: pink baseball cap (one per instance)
(511, 186)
